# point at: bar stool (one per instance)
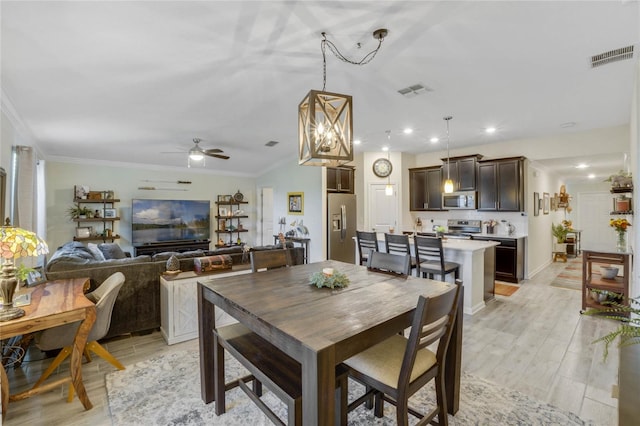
(430, 258)
(399, 244)
(367, 242)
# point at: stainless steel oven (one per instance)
(459, 201)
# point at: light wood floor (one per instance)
(534, 341)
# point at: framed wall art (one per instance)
(296, 202)
(110, 214)
(536, 204)
(545, 203)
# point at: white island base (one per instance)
(477, 260)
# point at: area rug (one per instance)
(571, 275)
(165, 390)
(502, 289)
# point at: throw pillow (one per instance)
(97, 254)
(111, 251)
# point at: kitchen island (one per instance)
(477, 262)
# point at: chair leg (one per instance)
(402, 410)
(97, 349)
(378, 410)
(64, 353)
(342, 403)
(369, 403)
(87, 355)
(218, 367)
(443, 417)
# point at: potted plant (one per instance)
(621, 179)
(560, 232)
(629, 329)
(78, 212)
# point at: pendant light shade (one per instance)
(448, 183)
(325, 129)
(388, 190)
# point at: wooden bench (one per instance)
(275, 369)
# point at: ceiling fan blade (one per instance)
(224, 157)
(213, 151)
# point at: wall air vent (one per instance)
(271, 143)
(612, 56)
(414, 90)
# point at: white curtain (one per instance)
(23, 188)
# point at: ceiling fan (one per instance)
(197, 153)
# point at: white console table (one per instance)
(179, 304)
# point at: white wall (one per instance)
(125, 181)
(634, 139)
(291, 177)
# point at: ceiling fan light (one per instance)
(195, 154)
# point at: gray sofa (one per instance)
(137, 308)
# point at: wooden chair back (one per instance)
(397, 244)
(432, 322)
(367, 242)
(269, 259)
(390, 263)
(429, 249)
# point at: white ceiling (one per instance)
(126, 81)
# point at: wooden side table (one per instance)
(53, 303)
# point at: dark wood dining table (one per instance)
(319, 327)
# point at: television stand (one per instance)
(177, 246)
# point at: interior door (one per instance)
(266, 216)
(382, 209)
(593, 218)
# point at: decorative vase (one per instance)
(622, 241)
(173, 263)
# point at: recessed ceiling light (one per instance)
(385, 148)
(591, 176)
(568, 124)
(490, 130)
(407, 131)
(357, 141)
(582, 166)
(434, 140)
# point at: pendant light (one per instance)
(388, 189)
(448, 184)
(325, 124)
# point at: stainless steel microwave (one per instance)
(459, 201)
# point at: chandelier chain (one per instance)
(324, 44)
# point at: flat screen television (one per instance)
(155, 221)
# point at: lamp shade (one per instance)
(18, 242)
(325, 129)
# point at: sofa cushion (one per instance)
(111, 251)
(180, 255)
(97, 253)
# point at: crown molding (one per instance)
(14, 117)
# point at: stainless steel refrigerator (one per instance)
(341, 214)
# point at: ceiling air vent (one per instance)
(271, 143)
(612, 56)
(414, 90)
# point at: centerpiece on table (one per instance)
(329, 278)
(620, 225)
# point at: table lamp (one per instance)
(15, 243)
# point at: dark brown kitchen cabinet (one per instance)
(509, 258)
(501, 185)
(425, 188)
(340, 179)
(462, 171)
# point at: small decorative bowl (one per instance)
(609, 272)
(599, 296)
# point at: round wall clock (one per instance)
(382, 167)
(238, 196)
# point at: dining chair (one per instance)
(269, 259)
(367, 242)
(390, 263)
(63, 336)
(398, 367)
(399, 244)
(430, 258)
